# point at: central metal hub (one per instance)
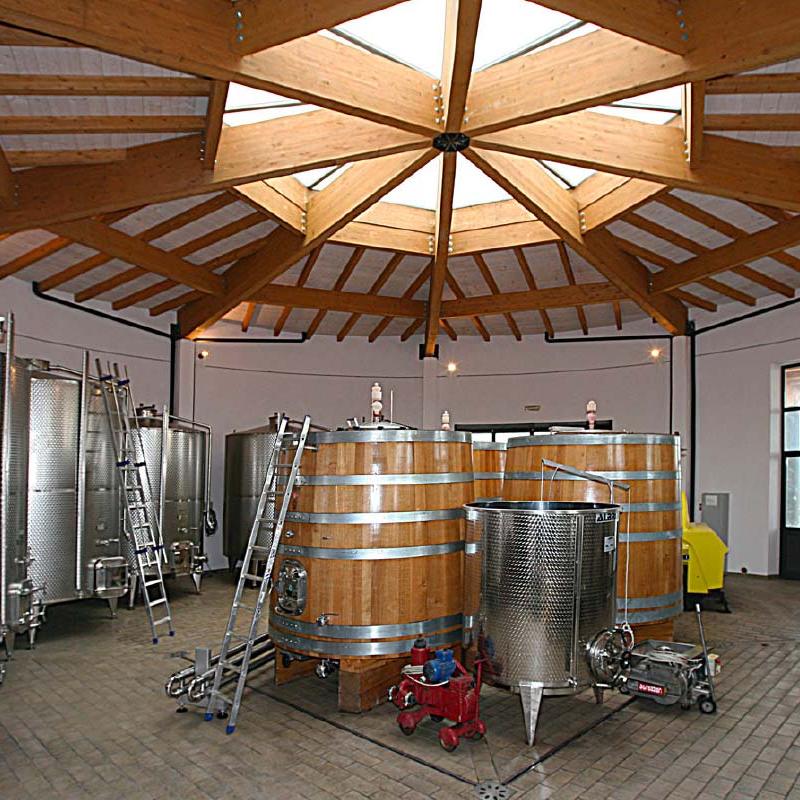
(451, 142)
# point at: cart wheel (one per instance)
(476, 736)
(407, 729)
(707, 706)
(448, 740)
(436, 718)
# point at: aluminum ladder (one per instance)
(141, 525)
(228, 666)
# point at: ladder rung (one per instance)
(162, 621)
(246, 607)
(157, 602)
(258, 548)
(250, 577)
(153, 582)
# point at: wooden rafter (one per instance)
(767, 83)
(194, 36)
(448, 329)
(170, 169)
(408, 294)
(150, 234)
(752, 122)
(193, 246)
(412, 328)
(529, 184)
(114, 123)
(459, 294)
(212, 125)
(362, 185)
(103, 85)
(656, 153)
(524, 90)
(302, 279)
(694, 300)
(341, 282)
(259, 24)
(378, 284)
(629, 194)
(441, 248)
(128, 248)
(268, 196)
(519, 253)
(563, 254)
(325, 300)
(617, 314)
(491, 283)
(247, 318)
(8, 183)
(656, 22)
(501, 237)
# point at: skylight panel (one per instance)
(569, 175)
(665, 99)
(246, 97)
(265, 113)
(420, 190)
(412, 32)
(474, 187)
(321, 177)
(649, 115)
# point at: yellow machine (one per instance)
(703, 562)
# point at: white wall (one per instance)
(738, 429)
(60, 335)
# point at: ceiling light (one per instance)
(452, 367)
(655, 353)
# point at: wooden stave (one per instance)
(664, 556)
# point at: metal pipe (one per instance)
(757, 313)
(266, 340)
(5, 470)
(162, 484)
(82, 439)
(692, 417)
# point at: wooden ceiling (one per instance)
(119, 181)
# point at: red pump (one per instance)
(454, 696)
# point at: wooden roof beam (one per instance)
(103, 85)
(259, 24)
(378, 284)
(112, 123)
(171, 169)
(655, 22)
(302, 279)
(529, 184)
(459, 293)
(491, 283)
(408, 294)
(249, 313)
(8, 183)
(195, 36)
(212, 128)
(519, 253)
(461, 29)
(361, 185)
(563, 254)
(656, 153)
(341, 282)
(135, 251)
(693, 115)
(441, 248)
(268, 197)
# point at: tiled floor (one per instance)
(85, 715)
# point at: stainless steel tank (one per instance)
(73, 499)
(177, 453)
(548, 586)
(20, 609)
(246, 456)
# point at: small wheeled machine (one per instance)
(666, 672)
(436, 684)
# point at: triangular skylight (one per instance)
(656, 108)
(245, 105)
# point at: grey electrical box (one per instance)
(714, 508)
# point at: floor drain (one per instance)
(492, 790)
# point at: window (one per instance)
(790, 474)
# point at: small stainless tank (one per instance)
(178, 457)
(246, 456)
(548, 586)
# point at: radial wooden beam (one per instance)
(302, 279)
(693, 110)
(558, 297)
(729, 168)
(491, 283)
(8, 183)
(501, 237)
(170, 169)
(441, 248)
(103, 85)
(519, 253)
(212, 128)
(194, 36)
(341, 282)
(249, 313)
(147, 235)
(362, 185)
(529, 184)
(408, 294)
(655, 22)
(259, 24)
(461, 29)
(723, 36)
(374, 289)
(563, 254)
(269, 197)
(135, 251)
(628, 194)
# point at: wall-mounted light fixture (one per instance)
(203, 354)
(452, 367)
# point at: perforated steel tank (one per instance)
(547, 587)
